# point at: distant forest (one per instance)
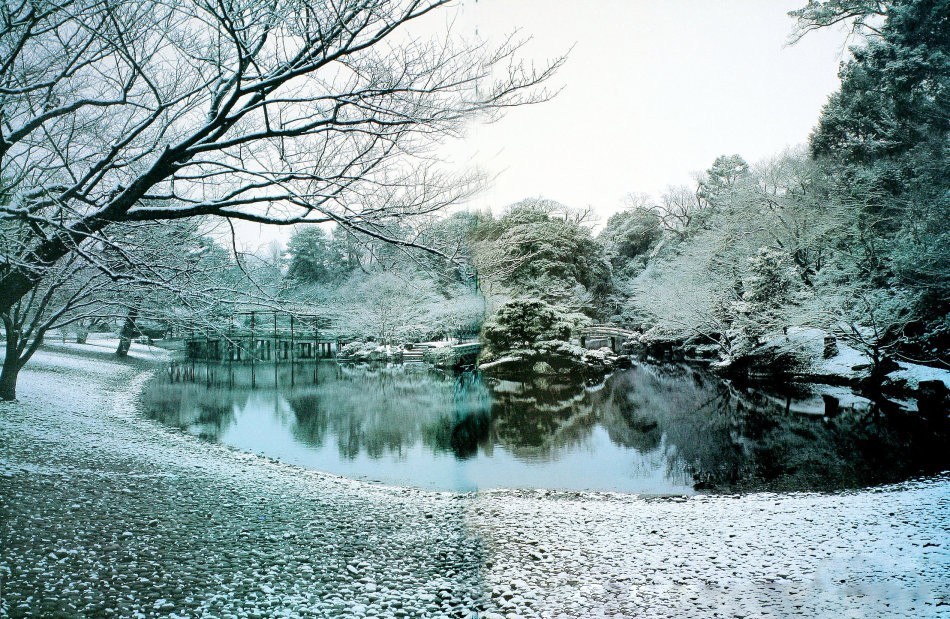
(848, 234)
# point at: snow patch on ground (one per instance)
(808, 344)
(108, 514)
(844, 363)
(915, 374)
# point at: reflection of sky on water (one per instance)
(646, 430)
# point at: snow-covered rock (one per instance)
(555, 357)
(806, 354)
(501, 362)
(913, 374)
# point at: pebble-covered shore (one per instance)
(105, 514)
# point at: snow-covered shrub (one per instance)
(764, 306)
(442, 356)
(357, 349)
(463, 312)
(522, 322)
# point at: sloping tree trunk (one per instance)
(128, 331)
(18, 352)
(11, 365)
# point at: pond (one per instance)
(652, 429)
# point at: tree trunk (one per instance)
(11, 366)
(8, 377)
(128, 330)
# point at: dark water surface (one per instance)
(650, 429)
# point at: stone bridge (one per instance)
(610, 336)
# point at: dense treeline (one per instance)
(536, 250)
(373, 290)
(848, 235)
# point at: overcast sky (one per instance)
(652, 92)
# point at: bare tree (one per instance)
(789, 198)
(277, 112)
(637, 200)
(70, 292)
(136, 271)
(691, 294)
(678, 208)
(862, 16)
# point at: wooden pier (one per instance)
(253, 337)
(275, 337)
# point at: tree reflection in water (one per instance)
(385, 410)
(699, 430)
(202, 411)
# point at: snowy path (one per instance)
(103, 513)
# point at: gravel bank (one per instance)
(103, 513)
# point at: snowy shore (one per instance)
(103, 513)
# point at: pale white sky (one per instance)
(653, 91)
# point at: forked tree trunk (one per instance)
(128, 331)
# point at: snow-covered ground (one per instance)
(915, 374)
(807, 344)
(103, 513)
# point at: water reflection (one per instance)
(647, 429)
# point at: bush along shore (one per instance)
(796, 354)
(811, 356)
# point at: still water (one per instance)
(649, 429)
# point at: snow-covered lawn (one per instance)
(103, 513)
